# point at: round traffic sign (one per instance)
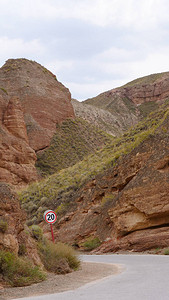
(50, 216)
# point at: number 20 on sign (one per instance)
(50, 217)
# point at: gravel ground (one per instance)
(58, 283)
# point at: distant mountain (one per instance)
(118, 109)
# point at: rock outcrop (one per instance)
(32, 102)
(150, 88)
(13, 236)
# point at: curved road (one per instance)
(144, 277)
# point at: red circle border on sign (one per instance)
(51, 211)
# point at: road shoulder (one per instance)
(88, 272)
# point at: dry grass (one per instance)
(19, 271)
(58, 258)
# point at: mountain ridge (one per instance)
(126, 105)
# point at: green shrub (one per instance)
(58, 258)
(36, 232)
(34, 220)
(19, 272)
(3, 225)
(166, 252)
(62, 209)
(91, 243)
(107, 199)
(5, 91)
(22, 249)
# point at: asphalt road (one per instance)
(144, 277)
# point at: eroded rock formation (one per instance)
(13, 237)
(140, 92)
(32, 102)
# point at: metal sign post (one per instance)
(50, 217)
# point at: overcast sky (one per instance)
(90, 45)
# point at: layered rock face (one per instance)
(12, 219)
(135, 215)
(32, 102)
(140, 92)
(17, 158)
(126, 105)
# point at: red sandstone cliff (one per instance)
(32, 102)
(150, 88)
(136, 214)
(13, 235)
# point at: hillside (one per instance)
(72, 141)
(118, 109)
(113, 121)
(149, 79)
(105, 195)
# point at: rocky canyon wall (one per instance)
(127, 207)
(32, 102)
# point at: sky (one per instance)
(90, 45)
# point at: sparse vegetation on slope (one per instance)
(73, 140)
(117, 105)
(57, 191)
(147, 107)
(98, 117)
(149, 79)
(18, 271)
(58, 258)
(91, 243)
(123, 111)
(130, 103)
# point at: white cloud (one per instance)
(124, 71)
(83, 91)
(139, 14)
(125, 13)
(29, 8)
(59, 65)
(17, 48)
(155, 62)
(117, 54)
(91, 46)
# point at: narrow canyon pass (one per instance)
(105, 167)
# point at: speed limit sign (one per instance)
(50, 216)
